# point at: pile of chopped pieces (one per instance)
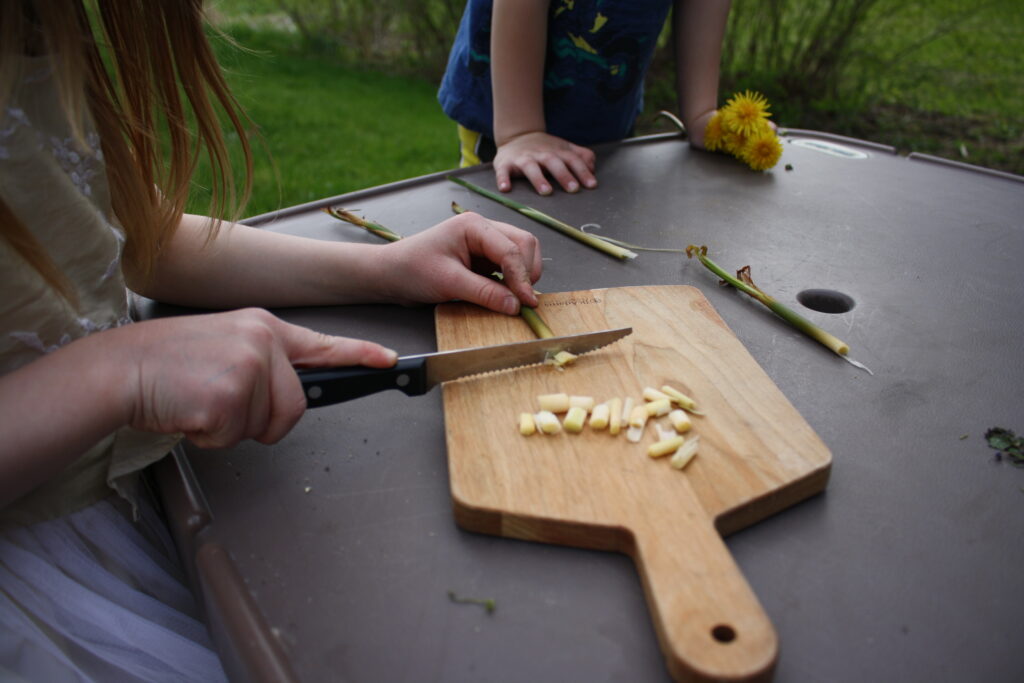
(622, 415)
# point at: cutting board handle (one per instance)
(710, 623)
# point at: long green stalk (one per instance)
(637, 247)
(374, 228)
(745, 284)
(541, 217)
(674, 119)
(457, 208)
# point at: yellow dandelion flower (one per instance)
(762, 127)
(733, 142)
(713, 134)
(745, 112)
(762, 152)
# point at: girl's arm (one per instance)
(247, 266)
(216, 378)
(698, 28)
(226, 377)
(518, 46)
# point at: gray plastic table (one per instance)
(330, 556)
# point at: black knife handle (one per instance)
(327, 386)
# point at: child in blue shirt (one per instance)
(533, 83)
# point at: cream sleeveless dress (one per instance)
(90, 585)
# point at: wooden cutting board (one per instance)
(592, 490)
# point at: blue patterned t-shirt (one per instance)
(597, 55)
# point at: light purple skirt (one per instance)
(95, 597)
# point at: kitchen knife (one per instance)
(416, 375)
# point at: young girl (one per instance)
(96, 157)
(532, 82)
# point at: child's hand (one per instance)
(531, 154)
(695, 128)
(226, 377)
(454, 259)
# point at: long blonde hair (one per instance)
(145, 72)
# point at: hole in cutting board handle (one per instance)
(723, 633)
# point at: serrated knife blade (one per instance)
(416, 375)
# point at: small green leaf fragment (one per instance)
(1007, 443)
(489, 604)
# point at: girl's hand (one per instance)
(226, 377)
(454, 260)
(531, 154)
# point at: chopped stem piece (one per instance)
(614, 416)
(564, 228)
(680, 399)
(555, 403)
(652, 394)
(600, 416)
(527, 426)
(638, 416)
(680, 421)
(663, 433)
(627, 409)
(563, 358)
(585, 402)
(685, 454)
(548, 422)
(659, 407)
(660, 448)
(574, 420)
(634, 434)
(745, 284)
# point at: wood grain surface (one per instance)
(592, 490)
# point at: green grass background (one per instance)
(329, 125)
(324, 128)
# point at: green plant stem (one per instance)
(747, 286)
(541, 217)
(610, 240)
(674, 119)
(536, 323)
(371, 227)
(489, 604)
(635, 247)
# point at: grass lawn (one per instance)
(943, 77)
(328, 129)
(951, 83)
(958, 96)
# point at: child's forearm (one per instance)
(247, 266)
(698, 27)
(54, 409)
(518, 40)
